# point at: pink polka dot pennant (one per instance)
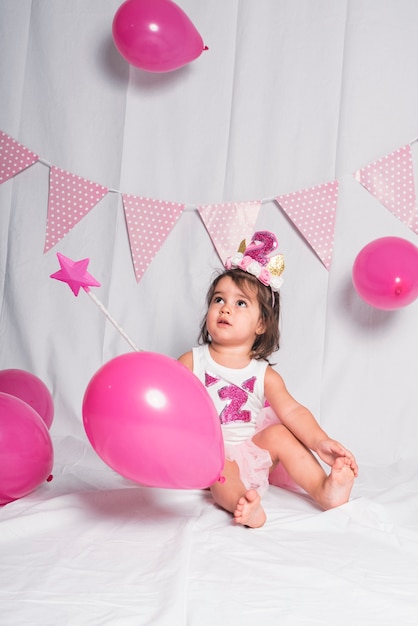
(313, 213)
(391, 181)
(13, 157)
(229, 223)
(414, 223)
(149, 222)
(70, 199)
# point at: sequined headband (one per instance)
(254, 259)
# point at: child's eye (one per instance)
(241, 303)
(218, 299)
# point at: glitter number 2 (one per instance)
(262, 244)
(233, 411)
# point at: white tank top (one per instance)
(238, 394)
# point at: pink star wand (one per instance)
(75, 274)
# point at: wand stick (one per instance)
(75, 274)
(112, 320)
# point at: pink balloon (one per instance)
(151, 420)
(155, 35)
(26, 452)
(385, 273)
(30, 389)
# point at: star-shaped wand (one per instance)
(75, 274)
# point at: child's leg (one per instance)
(233, 496)
(329, 491)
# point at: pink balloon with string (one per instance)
(155, 35)
(29, 388)
(151, 420)
(26, 452)
(385, 273)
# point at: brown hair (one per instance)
(269, 303)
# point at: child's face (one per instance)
(233, 316)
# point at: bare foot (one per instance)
(249, 511)
(337, 486)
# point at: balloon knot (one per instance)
(205, 48)
(221, 479)
(50, 477)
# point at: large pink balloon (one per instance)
(30, 389)
(26, 452)
(151, 420)
(385, 273)
(155, 35)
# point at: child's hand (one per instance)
(329, 450)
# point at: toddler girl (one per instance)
(239, 332)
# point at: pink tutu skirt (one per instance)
(254, 462)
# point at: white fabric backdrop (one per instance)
(290, 94)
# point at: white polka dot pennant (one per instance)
(13, 157)
(391, 181)
(70, 199)
(229, 223)
(313, 213)
(149, 222)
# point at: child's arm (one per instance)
(187, 359)
(300, 421)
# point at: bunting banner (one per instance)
(414, 223)
(149, 222)
(391, 181)
(70, 199)
(14, 158)
(313, 212)
(229, 223)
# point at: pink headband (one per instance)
(254, 259)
